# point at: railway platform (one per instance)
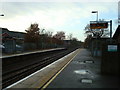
(76, 70)
(83, 72)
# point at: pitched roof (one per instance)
(5, 34)
(117, 32)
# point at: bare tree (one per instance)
(60, 35)
(70, 36)
(49, 33)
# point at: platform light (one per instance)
(1, 14)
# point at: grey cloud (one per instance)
(13, 9)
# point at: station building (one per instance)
(116, 36)
(11, 40)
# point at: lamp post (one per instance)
(96, 49)
(97, 14)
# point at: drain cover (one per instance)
(89, 61)
(81, 71)
(81, 62)
(86, 81)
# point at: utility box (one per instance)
(110, 63)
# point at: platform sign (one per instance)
(112, 48)
(98, 25)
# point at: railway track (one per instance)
(18, 70)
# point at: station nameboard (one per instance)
(112, 48)
(98, 25)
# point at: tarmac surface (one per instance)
(83, 72)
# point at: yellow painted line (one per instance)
(45, 86)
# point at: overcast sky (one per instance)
(70, 17)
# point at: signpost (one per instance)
(98, 25)
(112, 48)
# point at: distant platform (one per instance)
(25, 53)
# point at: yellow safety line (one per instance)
(57, 74)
